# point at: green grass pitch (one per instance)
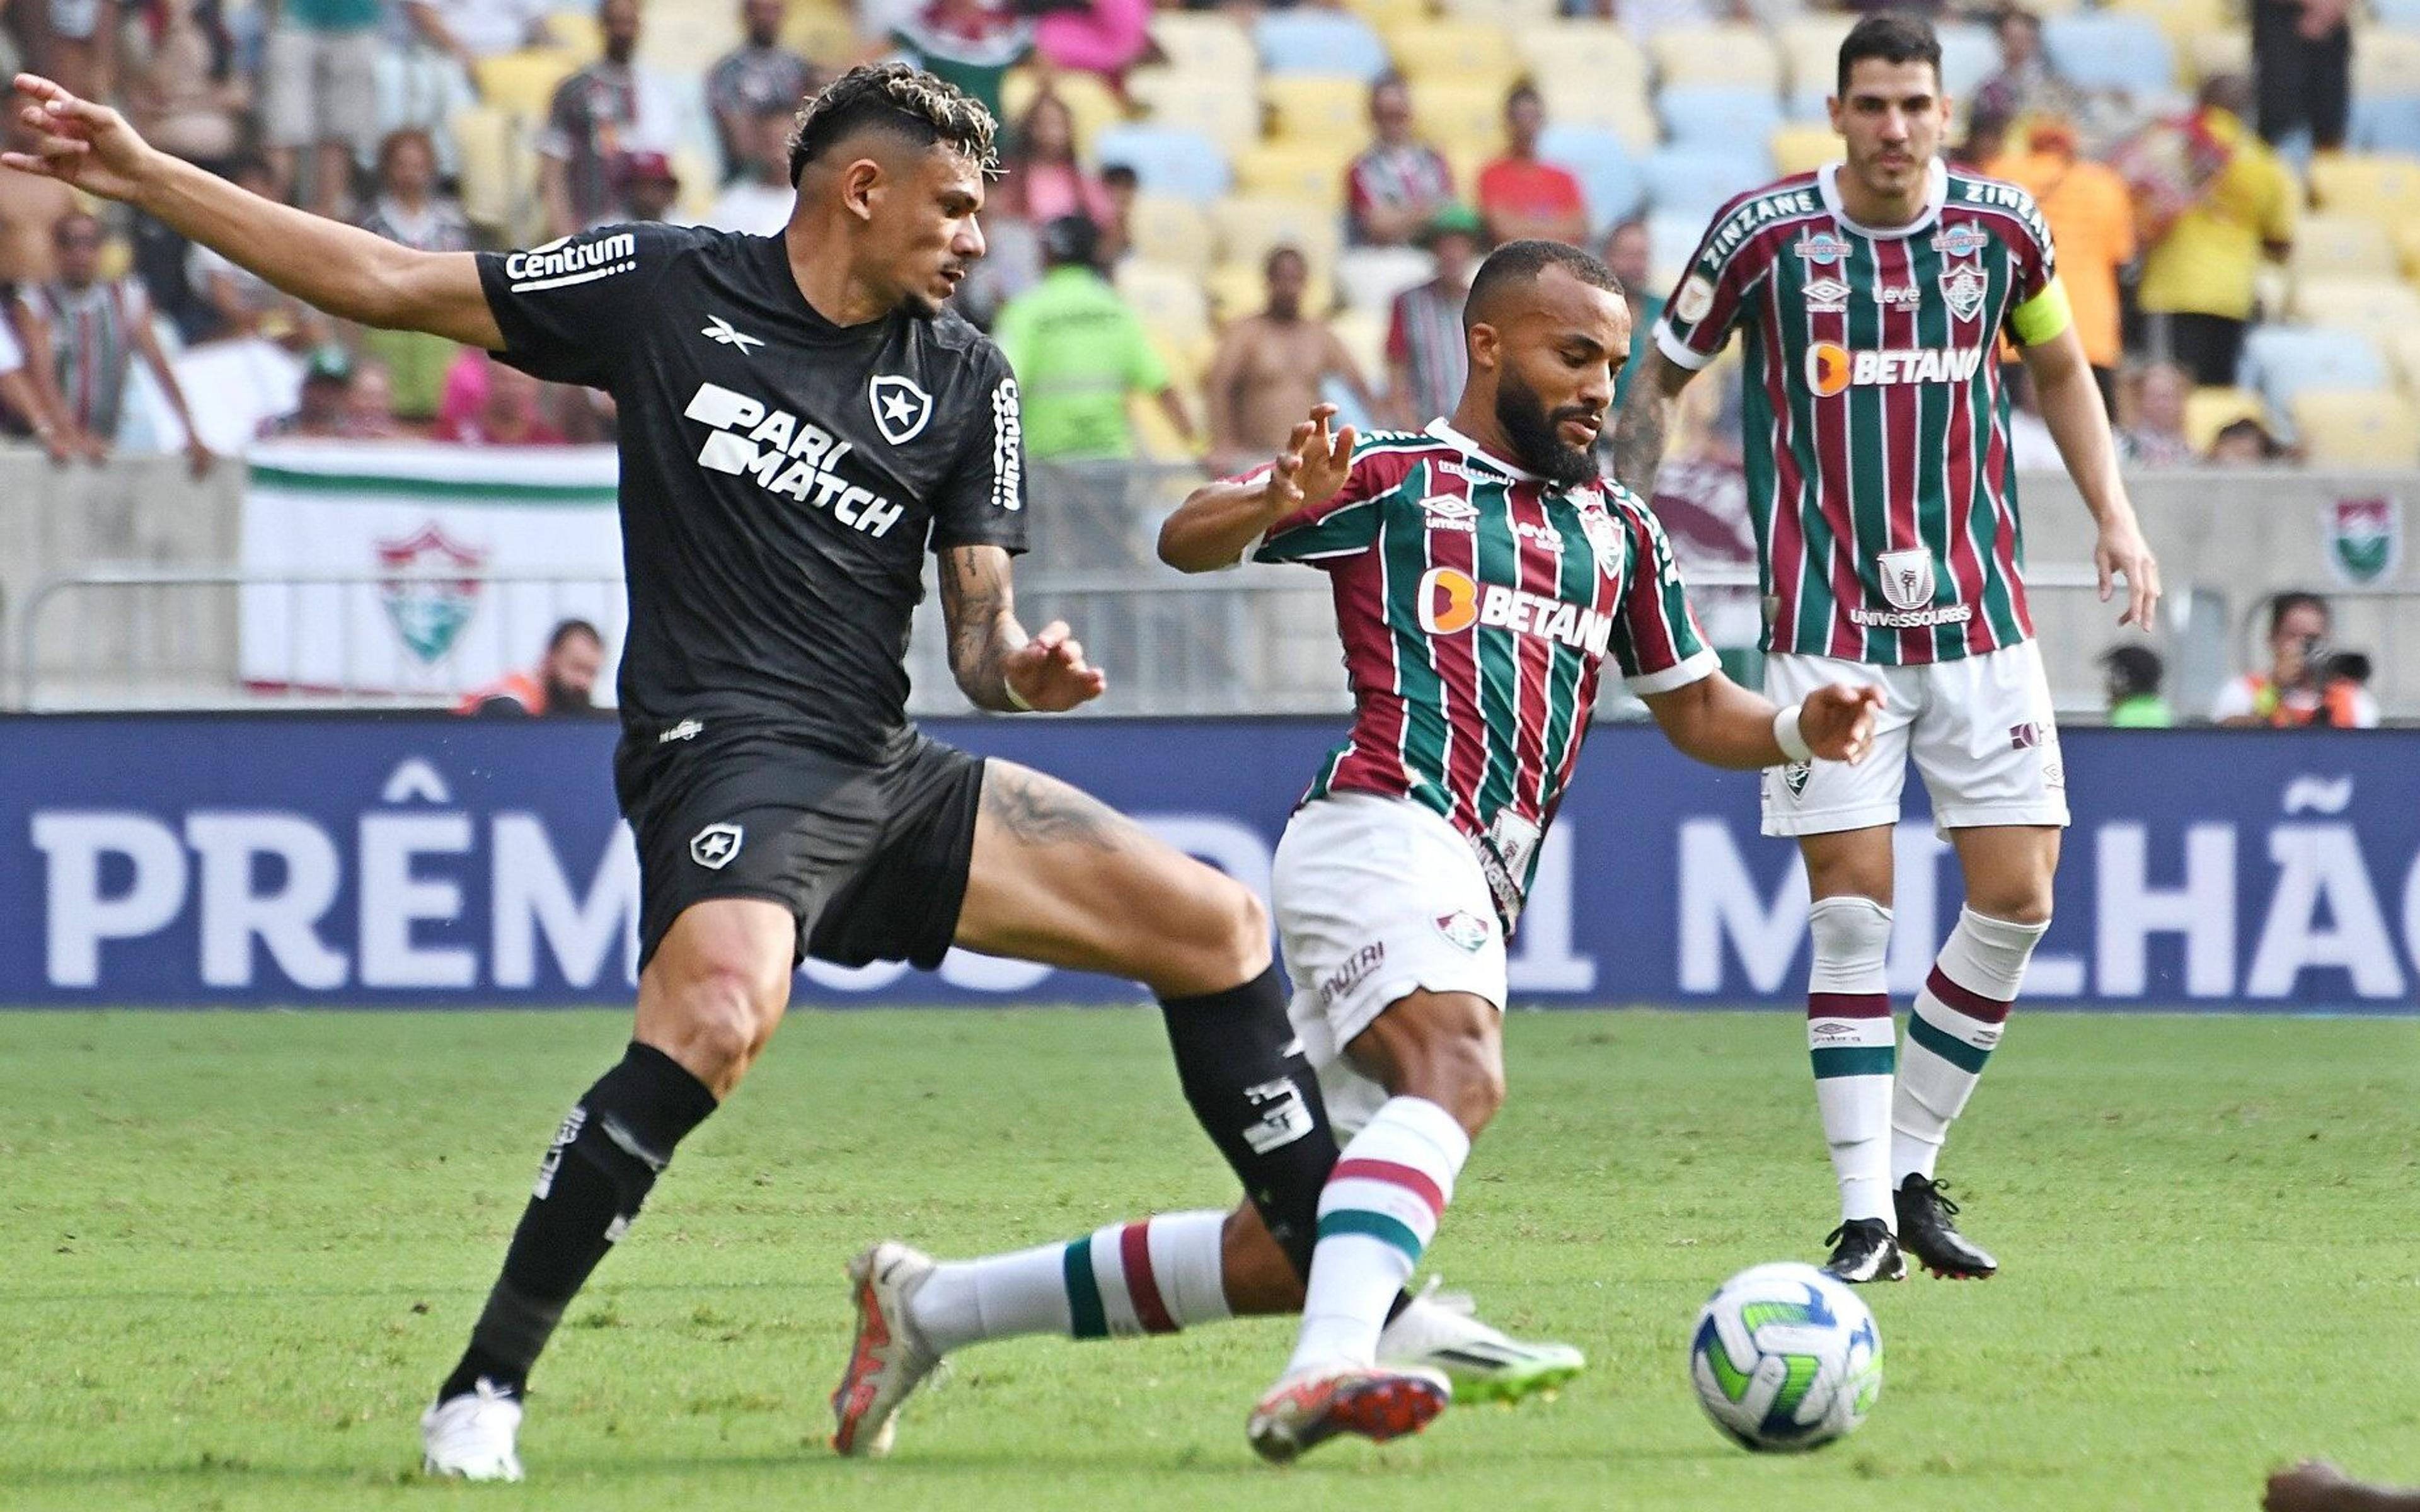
(236, 1252)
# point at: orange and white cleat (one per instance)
(1378, 1402)
(889, 1360)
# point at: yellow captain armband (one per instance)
(2043, 316)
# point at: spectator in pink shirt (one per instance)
(1043, 180)
(1105, 36)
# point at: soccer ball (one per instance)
(1786, 1359)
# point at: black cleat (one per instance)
(1864, 1250)
(1924, 1214)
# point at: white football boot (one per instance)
(1377, 1402)
(469, 1437)
(890, 1359)
(1441, 1330)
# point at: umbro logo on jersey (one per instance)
(717, 845)
(900, 408)
(785, 456)
(1450, 512)
(717, 329)
(1826, 296)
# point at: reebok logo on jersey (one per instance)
(785, 456)
(564, 262)
(1452, 602)
(719, 329)
(1832, 368)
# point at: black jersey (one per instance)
(782, 476)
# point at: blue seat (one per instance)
(1705, 115)
(1595, 156)
(2402, 15)
(2110, 50)
(1166, 160)
(1318, 41)
(1695, 181)
(2282, 361)
(2385, 123)
(1969, 54)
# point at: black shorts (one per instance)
(870, 860)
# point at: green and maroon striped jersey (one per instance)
(1477, 603)
(1879, 467)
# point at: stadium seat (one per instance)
(1388, 14)
(2365, 304)
(1166, 160)
(1247, 227)
(2385, 123)
(2384, 188)
(2330, 244)
(1216, 108)
(1364, 335)
(1453, 113)
(1204, 42)
(524, 83)
(1595, 53)
(2222, 52)
(2111, 50)
(499, 173)
(1368, 278)
(2402, 15)
(1695, 181)
(824, 35)
(1510, 15)
(1312, 170)
(2181, 20)
(577, 31)
(2357, 429)
(2407, 247)
(1705, 115)
(2210, 410)
(1736, 53)
(2403, 354)
(1599, 160)
(1672, 241)
(684, 51)
(1620, 108)
(1969, 54)
(1087, 96)
(1170, 300)
(1455, 51)
(2386, 62)
(1805, 148)
(1319, 42)
(1311, 107)
(1810, 52)
(1170, 231)
(2282, 361)
(1240, 290)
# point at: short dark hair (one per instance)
(1520, 91)
(1520, 262)
(570, 629)
(1893, 39)
(904, 101)
(2281, 605)
(1278, 253)
(2135, 671)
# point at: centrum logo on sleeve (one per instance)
(785, 456)
(564, 262)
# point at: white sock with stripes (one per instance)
(1849, 1038)
(1154, 1276)
(1958, 1019)
(1376, 1215)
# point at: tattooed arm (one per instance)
(999, 667)
(1644, 424)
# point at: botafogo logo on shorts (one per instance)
(717, 845)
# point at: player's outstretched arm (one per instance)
(2070, 407)
(1643, 426)
(1716, 721)
(347, 272)
(999, 667)
(1219, 521)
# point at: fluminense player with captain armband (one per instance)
(1874, 294)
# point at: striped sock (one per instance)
(1849, 1039)
(1154, 1276)
(1376, 1215)
(1957, 1023)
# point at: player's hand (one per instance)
(78, 142)
(1049, 671)
(1313, 467)
(2121, 550)
(1837, 721)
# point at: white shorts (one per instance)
(1376, 898)
(1980, 728)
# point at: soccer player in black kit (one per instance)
(800, 420)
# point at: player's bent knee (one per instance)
(1223, 939)
(719, 1015)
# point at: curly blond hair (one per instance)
(900, 98)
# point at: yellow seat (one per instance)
(2381, 186)
(1620, 107)
(1236, 291)
(1384, 15)
(2210, 410)
(2386, 62)
(1460, 50)
(1221, 109)
(1508, 14)
(1205, 41)
(1155, 440)
(1311, 171)
(2212, 53)
(1582, 51)
(2357, 428)
(1805, 148)
(682, 46)
(574, 31)
(2407, 247)
(524, 83)
(1733, 54)
(1314, 107)
(1364, 338)
(1169, 300)
(1810, 49)
(1451, 115)
(499, 173)
(2362, 305)
(2403, 354)
(824, 35)
(1170, 231)
(2329, 244)
(1087, 96)
(1247, 227)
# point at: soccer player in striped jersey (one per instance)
(1481, 573)
(1874, 294)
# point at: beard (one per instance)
(1538, 445)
